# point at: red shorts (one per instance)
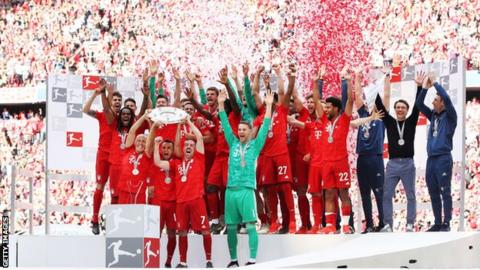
(131, 198)
(102, 169)
(276, 170)
(219, 173)
(192, 214)
(209, 159)
(336, 174)
(315, 179)
(167, 213)
(114, 173)
(300, 171)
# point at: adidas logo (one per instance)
(444, 174)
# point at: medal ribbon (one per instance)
(400, 130)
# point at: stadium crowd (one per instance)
(112, 36)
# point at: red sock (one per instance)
(212, 198)
(346, 210)
(172, 242)
(207, 246)
(331, 219)
(263, 218)
(284, 210)
(114, 200)
(97, 202)
(304, 208)
(286, 189)
(183, 247)
(317, 210)
(272, 203)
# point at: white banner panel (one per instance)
(72, 139)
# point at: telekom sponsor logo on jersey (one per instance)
(74, 139)
(90, 82)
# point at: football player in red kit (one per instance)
(313, 129)
(191, 210)
(136, 163)
(161, 190)
(102, 165)
(276, 172)
(336, 169)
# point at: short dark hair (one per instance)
(212, 88)
(246, 123)
(130, 123)
(401, 101)
(131, 100)
(336, 102)
(168, 141)
(117, 94)
(164, 97)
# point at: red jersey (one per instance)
(296, 136)
(276, 143)
(164, 183)
(135, 171)
(117, 146)
(336, 146)
(314, 130)
(190, 187)
(167, 132)
(105, 136)
(222, 145)
(199, 122)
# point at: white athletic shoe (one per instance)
(243, 230)
(264, 229)
(409, 228)
(386, 228)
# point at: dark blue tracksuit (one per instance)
(439, 148)
(370, 167)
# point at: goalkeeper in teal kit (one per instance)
(240, 204)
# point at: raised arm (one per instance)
(449, 108)
(387, 88)
(190, 95)
(151, 138)
(153, 68)
(201, 89)
(256, 87)
(344, 86)
(349, 103)
(235, 79)
(88, 105)
(162, 164)
(263, 131)
(198, 135)
(422, 81)
(146, 94)
(291, 85)
(317, 86)
(132, 133)
(249, 97)
(107, 108)
(223, 79)
(358, 90)
(280, 81)
(227, 129)
(177, 146)
(365, 120)
(177, 93)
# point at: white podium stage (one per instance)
(385, 250)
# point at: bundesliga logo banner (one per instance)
(72, 139)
